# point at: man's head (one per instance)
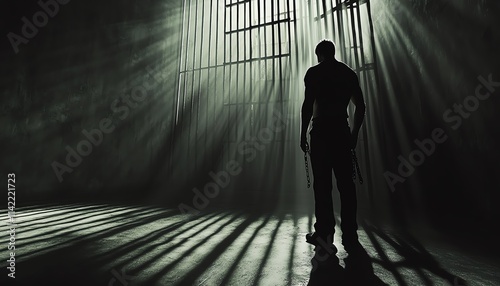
(325, 50)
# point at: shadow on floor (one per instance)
(358, 269)
(68, 246)
(359, 264)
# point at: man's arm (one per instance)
(307, 112)
(359, 113)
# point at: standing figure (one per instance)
(329, 86)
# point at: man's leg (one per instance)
(322, 184)
(342, 167)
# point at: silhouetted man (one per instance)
(330, 85)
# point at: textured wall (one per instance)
(91, 64)
(431, 54)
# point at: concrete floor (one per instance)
(102, 244)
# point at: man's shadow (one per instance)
(325, 268)
(358, 268)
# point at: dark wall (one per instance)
(77, 69)
(431, 54)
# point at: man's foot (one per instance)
(319, 240)
(324, 250)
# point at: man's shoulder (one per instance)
(337, 66)
(312, 72)
(346, 67)
(313, 69)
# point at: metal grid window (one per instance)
(234, 71)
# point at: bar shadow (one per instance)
(414, 256)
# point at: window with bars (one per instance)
(234, 69)
(217, 33)
(259, 29)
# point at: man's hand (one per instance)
(303, 144)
